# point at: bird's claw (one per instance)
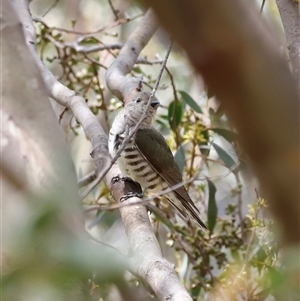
(130, 195)
(118, 178)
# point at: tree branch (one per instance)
(92, 32)
(289, 13)
(125, 88)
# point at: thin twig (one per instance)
(86, 179)
(249, 257)
(240, 203)
(144, 61)
(176, 100)
(82, 49)
(193, 151)
(89, 235)
(115, 11)
(128, 138)
(172, 83)
(113, 24)
(262, 6)
(51, 7)
(95, 62)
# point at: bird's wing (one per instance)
(153, 147)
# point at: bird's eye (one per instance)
(138, 99)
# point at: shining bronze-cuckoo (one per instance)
(146, 158)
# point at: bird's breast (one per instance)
(139, 170)
(133, 164)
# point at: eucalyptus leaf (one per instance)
(180, 158)
(190, 101)
(203, 146)
(212, 206)
(224, 156)
(230, 136)
(161, 217)
(219, 112)
(175, 114)
(137, 69)
(89, 41)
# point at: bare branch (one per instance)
(50, 8)
(262, 5)
(92, 32)
(83, 49)
(147, 260)
(86, 179)
(115, 11)
(289, 12)
(116, 81)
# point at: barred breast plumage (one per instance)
(147, 158)
(134, 165)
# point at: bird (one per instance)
(147, 158)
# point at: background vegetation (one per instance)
(241, 258)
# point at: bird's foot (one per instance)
(131, 195)
(130, 185)
(118, 178)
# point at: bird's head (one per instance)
(136, 108)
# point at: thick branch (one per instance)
(147, 260)
(289, 12)
(115, 76)
(233, 51)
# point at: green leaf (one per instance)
(211, 113)
(190, 101)
(277, 277)
(161, 217)
(175, 114)
(73, 23)
(230, 136)
(204, 150)
(212, 206)
(196, 290)
(180, 158)
(160, 122)
(228, 161)
(260, 257)
(165, 117)
(89, 41)
(219, 112)
(137, 69)
(235, 255)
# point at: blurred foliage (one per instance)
(240, 258)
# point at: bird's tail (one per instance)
(187, 210)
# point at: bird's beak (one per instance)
(155, 103)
